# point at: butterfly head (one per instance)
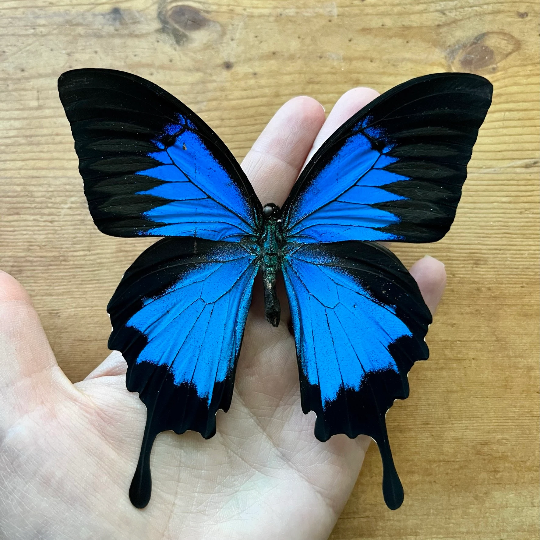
(271, 211)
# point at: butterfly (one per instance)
(392, 172)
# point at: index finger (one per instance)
(347, 105)
(276, 158)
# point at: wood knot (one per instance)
(483, 53)
(187, 18)
(181, 20)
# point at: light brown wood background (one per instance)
(466, 441)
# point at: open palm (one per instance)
(68, 452)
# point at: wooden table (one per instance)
(466, 441)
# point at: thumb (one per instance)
(28, 367)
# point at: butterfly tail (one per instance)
(140, 489)
(391, 484)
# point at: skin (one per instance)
(68, 451)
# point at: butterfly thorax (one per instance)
(271, 243)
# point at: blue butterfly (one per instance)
(393, 172)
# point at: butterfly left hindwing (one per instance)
(359, 322)
(178, 317)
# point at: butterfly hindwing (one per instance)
(178, 318)
(395, 170)
(359, 322)
(151, 167)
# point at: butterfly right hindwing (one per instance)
(359, 322)
(178, 318)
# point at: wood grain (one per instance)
(466, 441)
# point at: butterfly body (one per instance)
(393, 172)
(272, 244)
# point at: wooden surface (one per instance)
(466, 441)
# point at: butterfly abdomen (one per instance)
(271, 248)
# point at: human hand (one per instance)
(68, 451)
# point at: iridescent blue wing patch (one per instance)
(152, 167)
(395, 170)
(178, 318)
(359, 323)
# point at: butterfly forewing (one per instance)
(152, 167)
(394, 171)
